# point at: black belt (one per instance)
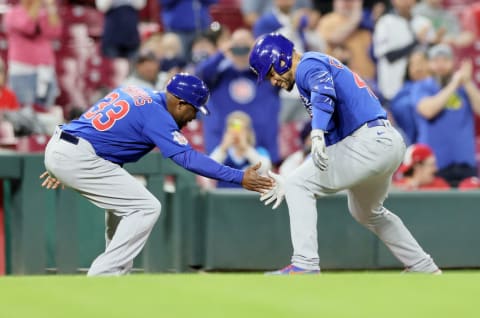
(69, 138)
(377, 122)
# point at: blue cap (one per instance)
(271, 50)
(190, 89)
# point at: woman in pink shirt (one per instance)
(31, 26)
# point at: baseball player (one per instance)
(354, 148)
(87, 155)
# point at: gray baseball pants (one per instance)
(362, 164)
(110, 187)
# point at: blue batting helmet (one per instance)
(190, 89)
(271, 50)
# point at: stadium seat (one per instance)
(32, 143)
(151, 12)
(72, 14)
(228, 13)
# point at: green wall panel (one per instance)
(219, 229)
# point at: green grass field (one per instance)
(360, 294)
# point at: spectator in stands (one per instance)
(396, 35)
(8, 99)
(252, 10)
(203, 47)
(341, 53)
(402, 107)
(153, 43)
(445, 104)
(238, 147)
(295, 159)
(31, 26)
(348, 26)
(444, 21)
(15, 120)
(374, 9)
(294, 24)
(418, 170)
(172, 60)
(145, 73)
(186, 18)
(120, 38)
(233, 86)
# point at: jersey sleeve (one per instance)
(205, 166)
(165, 135)
(317, 79)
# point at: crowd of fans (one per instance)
(59, 57)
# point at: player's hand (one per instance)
(50, 182)
(319, 150)
(277, 193)
(255, 182)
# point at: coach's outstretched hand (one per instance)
(254, 182)
(277, 193)
(50, 182)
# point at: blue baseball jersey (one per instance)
(336, 98)
(130, 121)
(451, 134)
(127, 124)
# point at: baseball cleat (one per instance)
(293, 270)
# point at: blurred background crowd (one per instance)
(421, 58)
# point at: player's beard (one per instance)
(182, 123)
(289, 78)
(291, 84)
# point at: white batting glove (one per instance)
(319, 150)
(277, 193)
